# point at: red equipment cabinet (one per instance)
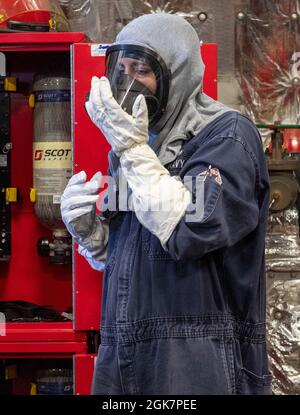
(28, 276)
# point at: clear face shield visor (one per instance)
(134, 70)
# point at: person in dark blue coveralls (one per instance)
(183, 308)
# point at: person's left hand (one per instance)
(120, 129)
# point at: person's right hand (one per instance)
(120, 129)
(78, 204)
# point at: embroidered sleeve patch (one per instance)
(214, 173)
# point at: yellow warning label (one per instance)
(52, 155)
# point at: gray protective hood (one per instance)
(188, 110)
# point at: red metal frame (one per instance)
(209, 56)
(31, 332)
(90, 154)
(17, 348)
(84, 369)
(51, 41)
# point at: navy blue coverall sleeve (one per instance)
(231, 208)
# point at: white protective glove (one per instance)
(78, 211)
(159, 200)
(96, 264)
(120, 129)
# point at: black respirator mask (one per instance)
(133, 70)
